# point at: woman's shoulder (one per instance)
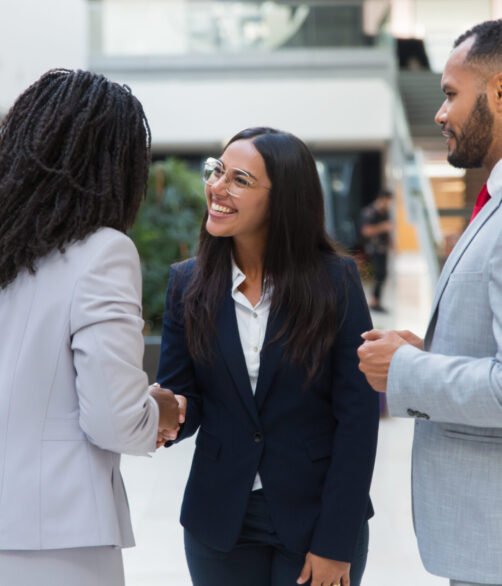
(107, 234)
(183, 268)
(103, 239)
(100, 248)
(180, 273)
(339, 265)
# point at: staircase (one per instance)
(422, 96)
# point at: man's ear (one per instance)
(497, 91)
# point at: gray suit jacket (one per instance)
(73, 395)
(454, 390)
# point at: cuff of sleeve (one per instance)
(155, 418)
(399, 380)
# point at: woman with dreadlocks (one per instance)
(74, 154)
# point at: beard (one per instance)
(475, 137)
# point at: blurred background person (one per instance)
(74, 155)
(376, 232)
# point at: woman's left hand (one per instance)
(324, 572)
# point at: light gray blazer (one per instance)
(73, 396)
(454, 390)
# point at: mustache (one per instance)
(447, 132)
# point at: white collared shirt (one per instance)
(252, 325)
(495, 179)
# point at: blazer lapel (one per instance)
(469, 234)
(231, 349)
(271, 356)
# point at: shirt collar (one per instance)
(238, 277)
(495, 179)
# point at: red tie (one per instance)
(482, 198)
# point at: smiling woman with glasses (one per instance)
(260, 335)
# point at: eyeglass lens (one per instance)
(237, 181)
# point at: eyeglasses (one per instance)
(238, 182)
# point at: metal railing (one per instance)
(409, 167)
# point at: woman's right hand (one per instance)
(168, 408)
(322, 571)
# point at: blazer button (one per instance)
(417, 414)
(258, 437)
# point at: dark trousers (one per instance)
(258, 559)
(378, 262)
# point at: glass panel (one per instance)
(121, 28)
(349, 181)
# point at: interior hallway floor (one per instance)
(155, 485)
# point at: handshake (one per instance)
(172, 412)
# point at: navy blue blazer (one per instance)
(314, 446)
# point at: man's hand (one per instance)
(411, 338)
(375, 355)
(324, 572)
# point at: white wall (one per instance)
(440, 22)
(326, 112)
(440, 33)
(496, 8)
(37, 35)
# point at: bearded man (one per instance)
(451, 382)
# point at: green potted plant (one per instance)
(166, 230)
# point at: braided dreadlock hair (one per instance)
(74, 156)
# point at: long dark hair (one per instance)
(294, 262)
(74, 156)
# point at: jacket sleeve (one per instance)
(176, 370)
(345, 500)
(116, 410)
(453, 389)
